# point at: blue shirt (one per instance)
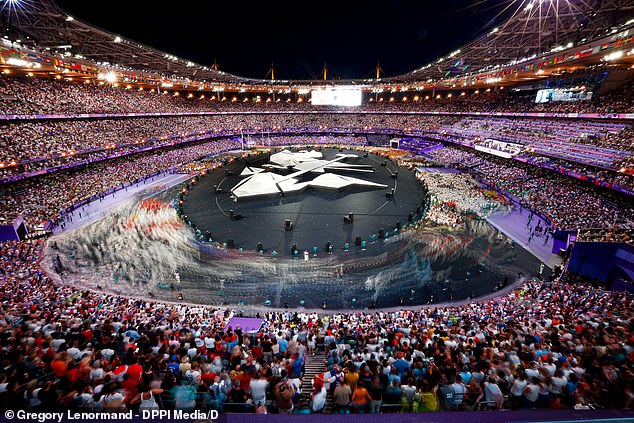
(466, 377)
(401, 365)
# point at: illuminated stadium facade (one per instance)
(461, 233)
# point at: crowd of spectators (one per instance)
(31, 146)
(309, 140)
(453, 195)
(567, 203)
(615, 179)
(544, 190)
(68, 95)
(602, 144)
(43, 198)
(34, 95)
(602, 235)
(84, 350)
(554, 345)
(558, 344)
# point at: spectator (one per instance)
(342, 397)
(258, 388)
(284, 393)
(493, 394)
(318, 397)
(360, 398)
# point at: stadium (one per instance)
(452, 241)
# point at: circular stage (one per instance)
(341, 196)
(144, 249)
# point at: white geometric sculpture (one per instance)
(258, 183)
(248, 171)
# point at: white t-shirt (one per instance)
(96, 374)
(297, 384)
(557, 385)
(532, 392)
(517, 389)
(550, 368)
(492, 391)
(531, 373)
(258, 390)
(319, 400)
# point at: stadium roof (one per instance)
(533, 30)
(47, 26)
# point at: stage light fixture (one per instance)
(110, 77)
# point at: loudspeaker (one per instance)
(349, 218)
(288, 225)
(357, 241)
(230, 243)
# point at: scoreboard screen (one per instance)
(336, 97)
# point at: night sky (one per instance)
(245, 37)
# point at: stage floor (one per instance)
(147, 252)
(317, 216)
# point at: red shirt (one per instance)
(87, 334)
(59, 367)
(208, 378)
(73, 374)
(257, 351)
(134, 372)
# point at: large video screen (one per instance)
(557, 94)
(336, 97)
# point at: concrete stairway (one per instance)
(314, 365)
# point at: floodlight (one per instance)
(110, 77)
